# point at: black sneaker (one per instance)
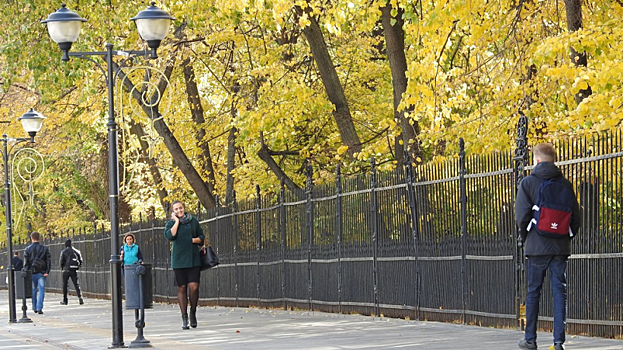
(63, 303)
(81, 301)
(558, 346)
(529, 345)
(40, 312)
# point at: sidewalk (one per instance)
(88, 327)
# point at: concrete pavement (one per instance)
(88, 327)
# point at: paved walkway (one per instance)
(88, 327)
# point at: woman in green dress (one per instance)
(186, 236)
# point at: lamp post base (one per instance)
(24, 318)
(140, 342)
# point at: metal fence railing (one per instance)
(434, 242)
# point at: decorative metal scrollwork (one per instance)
(142, 104)
(27, 167)
(144, 101)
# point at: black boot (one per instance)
(185, 321)
(193, 318)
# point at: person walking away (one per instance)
(186, 237)
(547, 243)
(17, 262)
(37, 259)
(130, 252)
(70, 261)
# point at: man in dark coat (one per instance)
(37, 258)
(70, 261)
(17, 262)
(544, 253)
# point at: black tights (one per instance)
(182, 298)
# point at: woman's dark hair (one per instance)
(175, 202)
(129, 234)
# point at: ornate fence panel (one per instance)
(435, 241)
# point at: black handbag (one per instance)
(208, 258)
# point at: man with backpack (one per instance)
(70, 261)
(37, 258)
(548, 216)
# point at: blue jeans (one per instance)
(38, 291)
(537, 268)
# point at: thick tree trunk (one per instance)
(332, 84)
(394, 40)
(196, 109)
(574, 23)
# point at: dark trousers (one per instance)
(73, 274)
(537, 268)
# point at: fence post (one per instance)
(216, 244)
(258, 239)
(463, 199)
(282, 231)
(415, 231)
(310, 229)
(375, 244)
(338, 230)
(521, 160)
(234, 219)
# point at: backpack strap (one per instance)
(534, 207)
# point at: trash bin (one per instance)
(23, 284)
(132, 277)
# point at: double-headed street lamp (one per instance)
(31, 122)
(64, 28)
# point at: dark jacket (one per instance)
(37, 251)
(536, 244)
(18, 263)
(66, 255)
(184, 253)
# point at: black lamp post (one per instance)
(64, 28)
(31, 122)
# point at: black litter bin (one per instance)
(23, 284)
(132, 292)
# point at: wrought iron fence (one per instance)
(431, 242)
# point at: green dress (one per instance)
(184, 253)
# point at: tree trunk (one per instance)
(231, 160)
(332, 84)
(394, 40)
(196, 109)
(264, 155)
(138, 131)
(574, 23)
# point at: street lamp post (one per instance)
(64, 28)
(31, 122)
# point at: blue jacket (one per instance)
(131, 254)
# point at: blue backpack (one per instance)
(553, 209)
